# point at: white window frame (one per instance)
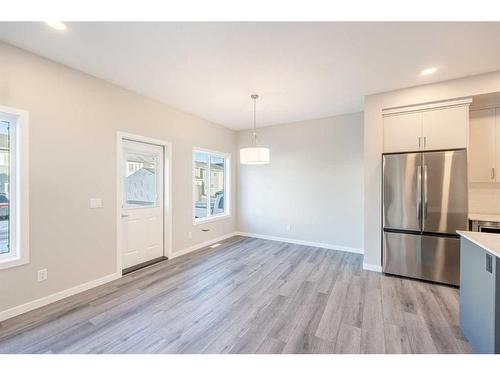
(227, 192)
(19, 253)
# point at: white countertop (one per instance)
(488, 241)
(485, 217)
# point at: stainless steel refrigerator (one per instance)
(424, 204)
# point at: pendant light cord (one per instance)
(255, 123)
(254, 97)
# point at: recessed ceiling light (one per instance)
(428, 71)
(58, 25)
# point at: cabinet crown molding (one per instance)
(427, 106)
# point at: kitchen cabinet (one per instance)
(483, 145)
(423, 129)
(445, 128)
(496, 169)
(402, 132)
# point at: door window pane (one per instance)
(140, 187)
(216, 185)
(200, 184)
(4, 186)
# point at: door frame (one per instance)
(167, 192)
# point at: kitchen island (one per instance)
(480, 290)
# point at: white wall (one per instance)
(314, 182)
(469, 86)
(74, 119)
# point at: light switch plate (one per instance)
(95, 202)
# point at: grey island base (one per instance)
(480, 290)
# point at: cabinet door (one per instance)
(496, 170)
(445, 128)
(402, 132)
(482, 145)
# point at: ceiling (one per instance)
(301, 70)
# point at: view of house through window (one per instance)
(209, 184)
(4, 186)
(140, 181)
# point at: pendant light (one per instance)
(254, 154)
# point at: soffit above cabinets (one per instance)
(491, 100)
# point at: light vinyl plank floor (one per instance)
(247, 296)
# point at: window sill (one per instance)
(211, 219)
(12, 261)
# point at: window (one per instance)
(141, 182)
(210, 185)
(14, 222)
(4, 186)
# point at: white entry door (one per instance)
(142, 209)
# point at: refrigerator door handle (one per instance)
(425, 195)
(419, 194)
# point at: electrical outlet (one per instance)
(190, 234)
(95, 203)
(42, 275)
(288, 228)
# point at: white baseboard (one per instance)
(201, 245)
(21, 309)
(372, 267)
(301, 242)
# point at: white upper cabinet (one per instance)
(497, 146)
(482, 145)
(427, 127)
(402, 132)
(445, 128)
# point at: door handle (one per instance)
(492, 174)
(425, 142)
(425, 193)
(124, 216)
(419, 142)
(419, 192)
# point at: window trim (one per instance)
(227, 192)
(19, 253)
